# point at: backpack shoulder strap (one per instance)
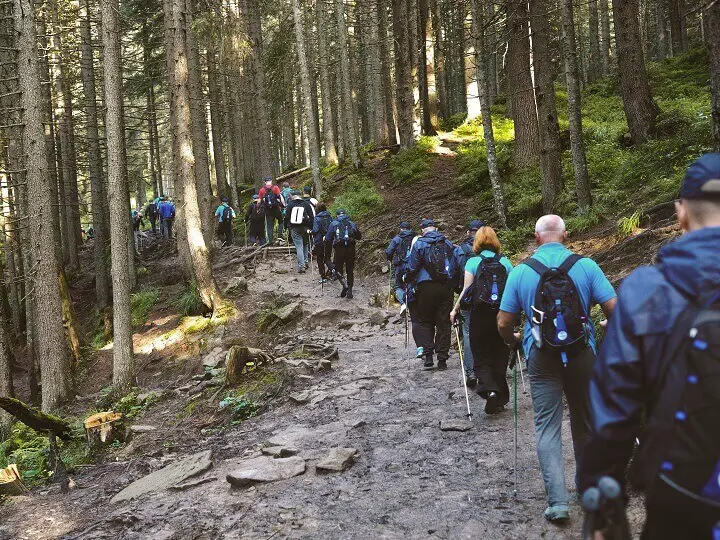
(536, 265)
(568, 263)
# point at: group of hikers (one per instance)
(653, 389)
(160, 213)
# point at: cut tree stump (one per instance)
(11, 481)
(103, 428)
(238, 357)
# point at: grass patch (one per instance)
(626, 226)
(188, 302)
(141, 303)
(359, 197)
(412, 164)
(272, 304)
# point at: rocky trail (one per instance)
(356, 451)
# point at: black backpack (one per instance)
(271, 199)
(489, 283)
(152, 210)
(439, 260)
(344, 233)
(403, 251)
(558, 316)
(227, 214)
(681, 443)
(324, 222)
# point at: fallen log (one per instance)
(291, 174)
(39, 421)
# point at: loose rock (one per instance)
(337, 460)
(265, 469)
(300, 397)
(141, 429)
(455, 425)
(235, 286)
(280, 451)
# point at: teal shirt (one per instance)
(592, 285)
(473, 262)
(220, 210)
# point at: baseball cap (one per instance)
(476, 224)
(307, 189)
(702, 179)
(427, 223)
(255, 197)
(340, 212)
(405, 225)
(225, 199)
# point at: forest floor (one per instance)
(409, 478)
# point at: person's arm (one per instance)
(510, 307)
(390, 251)
(414, 262)
(469, 279)
(358, 234)
(330, 235)
(507, 322)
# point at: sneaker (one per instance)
(429, 364)
(344, 292)
(301, 270)
(323, 280)
(557, 514)
(420, 352)
(491, 405)
(350, 293)
(442, 364)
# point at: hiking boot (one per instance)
(429, 364)
(471, 381)
(344, 292)
(557, 514)
(442, 364)
(420, 352)
(349, 293)
(323, 281)
(301, 270)
(492, 404)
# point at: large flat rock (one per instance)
(337, 460)
(265, 469)
(165, 478)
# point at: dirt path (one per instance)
(409, 480)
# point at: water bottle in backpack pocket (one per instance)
(227, 214)
(343, 233)
(559, 322)
(438, 265)
(489, 283)
(680, 448)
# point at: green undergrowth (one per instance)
(412, 164)
(358, 196)
(625, 180)
(141, 303)
(268, 307)
(30, 451)
(248, 399)
(188, 302)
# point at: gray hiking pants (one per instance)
(302, 245)
(548, 381)
(468, 360)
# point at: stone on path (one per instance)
(266, 469)
(138, 428)
(171, 475)
(330, 315)
(455, 425)
(235, 286)
(215, 359)
(280, 451)
(337, 460)
(301, 397)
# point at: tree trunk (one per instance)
(713, 40)
(478, 12)
(582, 181)
(185, 164)
(6, 380)
(403, 74)
(640, 109)
(156, 137)
(307, 96)
(520, 86)
(676, 34)
(439, 57)
(328, 120)
(389, 125)
(216, 124)
(423, 33)
(352, 150)
(51, 349)
(549, 129)
(605, 35)
(662, 37)
(594, 63)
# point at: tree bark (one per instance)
(520, 86)
(582, 180)
(348, 116)
(713, 40)
(439, 56)
(594, 62)
(605, 35)
(389, 125)
(216, 124)
(478, 12)
(119, 201)
(328, 119)
(640, 109)
(184, 163)
(676, 33)
(6, 380)
(549, 129)
(313, 141)
(662, 37)
(403, 74)
(423, 33)
(51, 349)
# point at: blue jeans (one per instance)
(302, 245)
(270, 217)
(468, 359)
(548, 381)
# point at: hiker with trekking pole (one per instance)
(397, 253)
(658, 378)
(485, 275)
(556, 289)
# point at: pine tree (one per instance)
(713, 39)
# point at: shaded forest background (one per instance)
(589, 108)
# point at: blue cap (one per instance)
(255, 197)
(341, 212)
(405, 225)
(702, 179)
(225, 199)
(307, 189)
(476, 224)
(427, 223)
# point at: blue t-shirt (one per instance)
(474, 262)
(522, 283)
(221, 210)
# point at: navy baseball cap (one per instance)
(225, 199)
(255, 197)
(405, 225)
(307, 189)
(476, 224)
(341, 212)
(427, 223)
(702, 179)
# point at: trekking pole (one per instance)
(462, 370)
(522, 377)
(515, 434)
